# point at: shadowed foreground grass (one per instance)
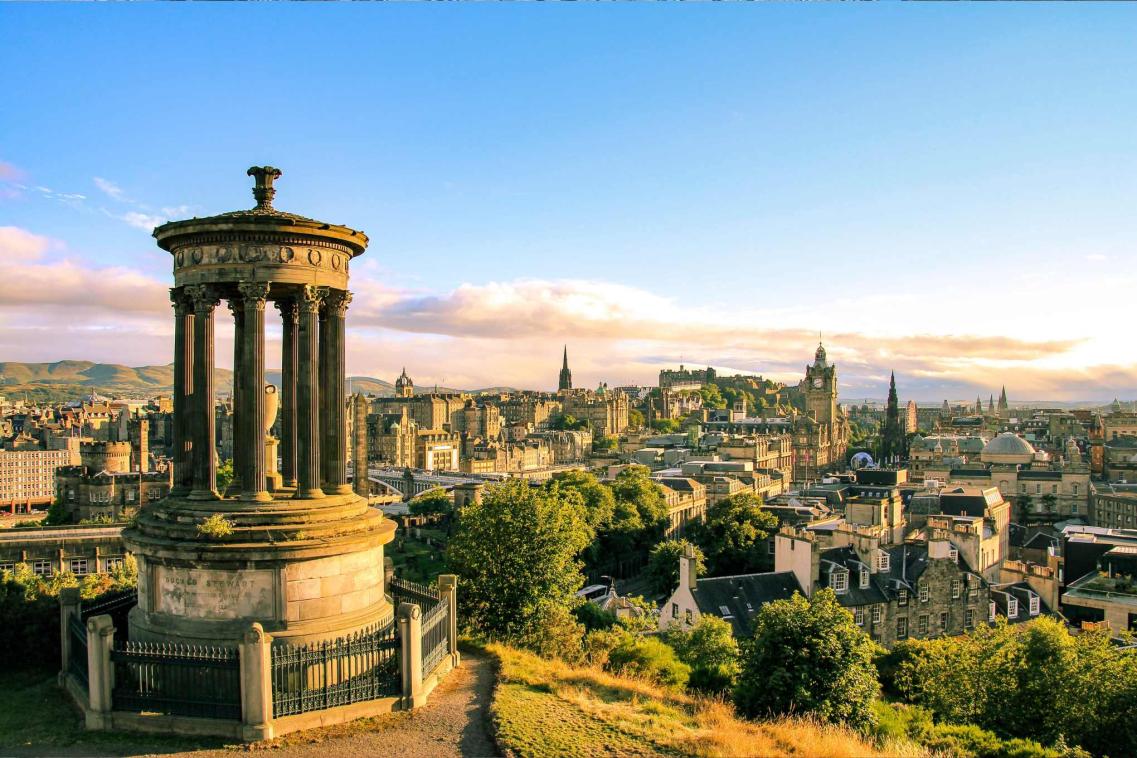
(548, 708)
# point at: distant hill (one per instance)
(69, 379)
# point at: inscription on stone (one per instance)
(208, 593)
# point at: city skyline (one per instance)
(561, 176)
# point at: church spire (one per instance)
(564, 381)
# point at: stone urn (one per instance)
(272, 406)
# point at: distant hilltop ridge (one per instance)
(113, 378)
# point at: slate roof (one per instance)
(1033, 537)
(743, 595)
(1022, 592)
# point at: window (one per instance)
(1074, 489)
(864, 578)
(1012, 607)
(953, 554)
(876, 614)
(922, 625)
(972, 593)
(674, 606)
(1034, 605)
(943, 621)
(78, 566)
(859, 616)
(901, 628)
(690, 616)
(955, 589)
(969, 618)
(1054, 489)
(724, 611)
(903, 597)
(114, 564)
(839, 581)
(6, 566)
(41, 568)
(883, 562)
(924, 592)
(770, 547)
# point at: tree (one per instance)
(733, 535)
(635, 419)
(516, 553)
(808, 658)
(640, 518)
(662, 571)
(432, 501)
(712, 396)
(711, 651)
(1005, 678)
(599, 502)
(665, 425)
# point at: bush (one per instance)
(711, 651)
(216, 526)
(648, 658)
(593, 617)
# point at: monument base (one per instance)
(306, 570)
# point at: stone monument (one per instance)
(298, 552)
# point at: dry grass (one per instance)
(548, 708)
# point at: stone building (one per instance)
(1043, 490)
(27, 474)
(605, 411)
(392, 438)
(78, 550)
(564, 379)
(686, 502)
(87, 492)
(685, 378)
(820, 436)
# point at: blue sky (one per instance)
(945, 190)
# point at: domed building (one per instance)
(1008, 448)
(1042, 490)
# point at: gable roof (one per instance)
(741, 596)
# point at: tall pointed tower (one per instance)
(892, 437)
(564, 382)
(1003, 408)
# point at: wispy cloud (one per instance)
(109, 188)
(1097, 257)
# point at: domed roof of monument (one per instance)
(262, 217)
(1008, 443)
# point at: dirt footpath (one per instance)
(454, 723)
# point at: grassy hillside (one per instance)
(548, 708)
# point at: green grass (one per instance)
(549, 708)
(37, 717)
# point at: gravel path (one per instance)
(454, 723)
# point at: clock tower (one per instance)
(820, 388)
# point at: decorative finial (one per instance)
(263, 191)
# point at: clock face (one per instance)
(817, 382)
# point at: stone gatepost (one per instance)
(410, 633)
(100, 672)
(448, 590)
(256, 684)
(68, 607)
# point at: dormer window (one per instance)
(991, 611)
(1012, 607)
(839, 581)
(864, 578)
(924, 593)
(883, 561)
(1034, 605)
(903, 599)
(953, 554)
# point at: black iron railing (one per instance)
(435, 636)
(403, 591)
(182, 680)
(362, 666)
(117, 606)
(77, 656)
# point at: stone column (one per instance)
(256, 685)
(308, 394)
(239, 443)
(360, 483)
(410, 658)
(205, 300)
(68, 607)
(325, 411)
(335, 456)
(100, 673)
(448, 590)
(181, 452)
(289, 315)
(253, 480)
